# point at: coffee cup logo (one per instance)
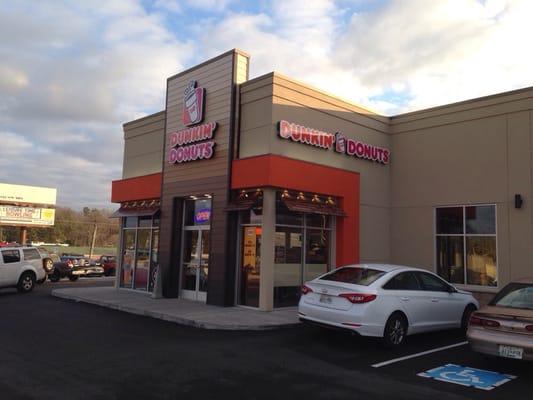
(193, 104)
(340, 143)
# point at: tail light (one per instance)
(306, 290)
(484, 322)
(529, 328)
(358, 298)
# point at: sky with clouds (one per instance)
(71, 72)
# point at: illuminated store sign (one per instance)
(203, 215)
(336, 142)
(193, 143)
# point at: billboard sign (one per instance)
(27, 194)
(26, 216)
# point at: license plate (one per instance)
(511, 352)
(325, 299)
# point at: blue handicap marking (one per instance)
(478, 378)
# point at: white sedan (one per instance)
(388, 301)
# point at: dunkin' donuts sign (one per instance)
(332, 141)
(194, 142)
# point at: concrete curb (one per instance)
(195, 323)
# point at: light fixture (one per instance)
(518, 201)
(300, 196)
(285, 194)
(315, 198)
(330, 201)
(243, 195)
(258, 193)
(193, 197)
(207, 195)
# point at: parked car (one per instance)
(504, 328)
(21, 267)
(75, 260)
(109, 264)
(63, 269)
(91, 270)
(387, 301)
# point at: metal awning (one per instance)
(304, 206)
(240, 205)
(134, 212)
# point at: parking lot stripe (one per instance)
(395, 360)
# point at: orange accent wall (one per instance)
(139, 188)
(287, 173)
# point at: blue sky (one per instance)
(71, 73)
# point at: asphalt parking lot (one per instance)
(56, 349)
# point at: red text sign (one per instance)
(337, 142)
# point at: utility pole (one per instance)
(93, 241)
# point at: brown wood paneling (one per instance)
(200, 177)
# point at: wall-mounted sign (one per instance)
(329, 141)
(202, 216)
(27, 216)
(192, 143)
(193, 104)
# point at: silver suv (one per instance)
(21, 267)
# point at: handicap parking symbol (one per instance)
(477, 378)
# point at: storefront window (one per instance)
(466, 244)
(198, 212)
(140, 243)
(302, 251)
(142, 260)
(128, 258)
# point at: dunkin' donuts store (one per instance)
(241, 189)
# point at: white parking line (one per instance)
(384, 363)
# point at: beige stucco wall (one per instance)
(474, 152)
(143, 145)
(271, 98)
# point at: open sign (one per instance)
(203, 215)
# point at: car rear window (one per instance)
(357, 276)
(31, 254)
(10, 256)
(515, 295)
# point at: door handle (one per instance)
(404, 298)
(434, 300)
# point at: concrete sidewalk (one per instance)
(183, 312)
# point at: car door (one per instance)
(33, 257)
(11, 266)
(447, 305)
(408, 296)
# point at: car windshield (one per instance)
(515, 295)
(357, 276)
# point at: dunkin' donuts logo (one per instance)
(337, 142)
(196, 141)
(193, 104)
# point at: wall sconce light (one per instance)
(315, 199)
(243, 195)
(285, 194)
(330, 201)
(300, 196)
(518, 201)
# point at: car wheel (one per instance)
(48, 264)
(55, 276)
(395, 330)
(466, 316)
(73, 278)
(26, 282)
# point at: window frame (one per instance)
(464, 235)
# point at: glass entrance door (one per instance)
(195, 263)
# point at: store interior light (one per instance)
(207, 195)
(194, 197)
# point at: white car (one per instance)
(21, 267)
(388, 301)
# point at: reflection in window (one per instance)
(467, 255)
(140, 242)
(142, 262)
(316, 253)
(128, 258)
